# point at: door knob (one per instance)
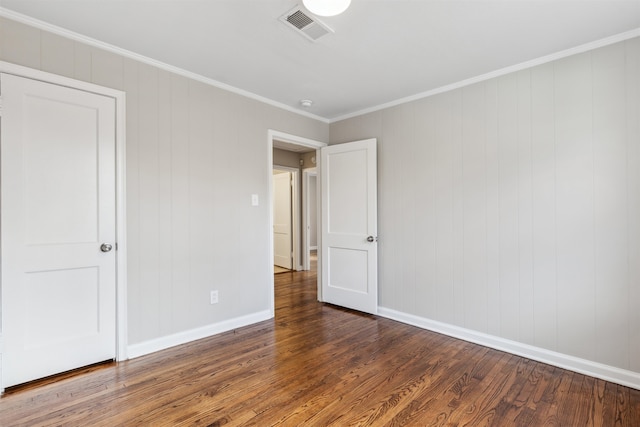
(371, 239)
(106, 247)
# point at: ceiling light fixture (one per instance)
(306, 103)
(326, 7)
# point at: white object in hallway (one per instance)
(282, 220)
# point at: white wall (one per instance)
(195, 154)
(512, 207)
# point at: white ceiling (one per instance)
(382, 50)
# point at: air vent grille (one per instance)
(299, 20)
(305, 25)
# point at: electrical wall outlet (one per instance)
(214, 297)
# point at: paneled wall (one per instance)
(195, 154)
(511, 207)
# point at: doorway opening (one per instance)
(295, 146)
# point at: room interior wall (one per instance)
(511, 207)
(308, 160)
(286, 158)
(195, 155)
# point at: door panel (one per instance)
(348, 189)
(349, 269)
(62, 203)
(349, 218)
(57, 208)
(52, 318)
(282, 221)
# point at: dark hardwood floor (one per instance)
(319, 365)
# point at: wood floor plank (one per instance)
(492, 385)
(560, 398)
(316, 364)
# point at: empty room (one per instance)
(320, 212)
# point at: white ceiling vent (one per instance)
(303, 23)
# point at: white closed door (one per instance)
(349, 225)
(282, 220)
(58, 229)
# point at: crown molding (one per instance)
(9, 14)
(497, 73)
(45, 26)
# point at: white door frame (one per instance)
(303, 142)
(121, 229)
(306, 247)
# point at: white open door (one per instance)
(282, 220)
(58, 229)
(349, 225)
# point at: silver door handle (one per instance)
(372, 239)
(106, 247)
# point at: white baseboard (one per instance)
(151, 346)
(576, 364)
